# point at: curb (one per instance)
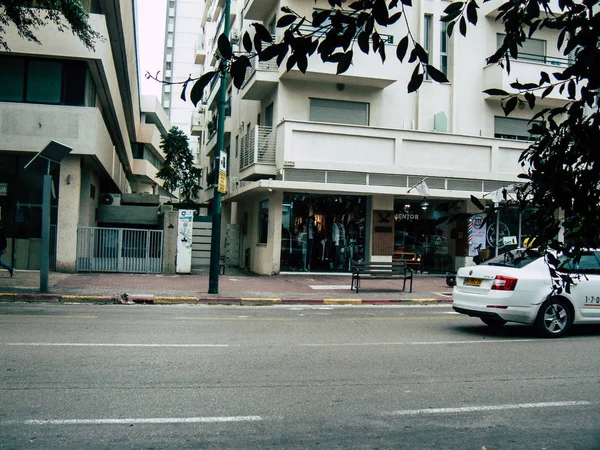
(249, 301)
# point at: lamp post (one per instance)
(215, 244)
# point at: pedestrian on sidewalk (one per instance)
(3, 246)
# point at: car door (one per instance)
(586, 287)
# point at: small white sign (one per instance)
(509, 240)
(223, 162)
(184, 241)
(3, 189)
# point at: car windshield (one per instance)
(516, 258)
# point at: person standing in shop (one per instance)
(3, 246)
(310, 236)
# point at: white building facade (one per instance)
(89, 101)
(322, 167)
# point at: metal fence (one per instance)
(119, 250)
(257, 147)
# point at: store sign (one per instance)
(407, 216)
(222, 184)
(3, 189)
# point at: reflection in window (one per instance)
(263, 222)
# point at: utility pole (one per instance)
(215, 244)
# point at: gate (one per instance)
(232, 245)
(201, 238)
(119, 250)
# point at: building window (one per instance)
(444, 48)
(339, 111)
(263, 222)
(237, 146)
(529, 50)
(427, 24)
(510, 128)
(45, 81)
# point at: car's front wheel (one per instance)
(494, 322)
(554, 318)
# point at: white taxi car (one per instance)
(517, 287)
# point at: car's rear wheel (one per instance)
(494, 322)
(554, 318)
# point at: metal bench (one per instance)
(382, 270)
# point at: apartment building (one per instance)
(322, 168)
(183, 58)
(89, 101)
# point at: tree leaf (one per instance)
(183, 89)
(319, 17)
(416, 80)
(530, 99)
(238, 70)
(494, 91)
(462, 26)
(436, 75)
(199, 85)
(344, 63)
(247, 42)
(363, 42)
(402, 48)
(510, 105)
(394, 18)
(547, 91)
(472, 12)
(262, 33)
(285, 21)
(302, 63)
(477, 203)
(224, 47)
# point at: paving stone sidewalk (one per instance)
(235, 287)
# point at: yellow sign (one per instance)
(222, 187)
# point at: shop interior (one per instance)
(324, 233)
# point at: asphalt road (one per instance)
(321, 377)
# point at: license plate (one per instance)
(472, 282)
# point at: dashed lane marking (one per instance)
(470, 409)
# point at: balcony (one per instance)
(257, 154)
(198, 125)
(262, 78)
(200, 55)
(258, 10)
(526, 69)
(211, 146)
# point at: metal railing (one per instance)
(542, 59)
(119, 250)
(257, 147)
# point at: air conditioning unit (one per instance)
(235, 35)
(111, 199)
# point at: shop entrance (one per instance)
(322, 232)
(420, 228)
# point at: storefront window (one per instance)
(322, 233)
(422, 232)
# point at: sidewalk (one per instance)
(235, 287)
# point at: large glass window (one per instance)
(511, 128)
(427, 24)
(444, 48)
(49, 81)
(44, 81)
(339, 111)
(322, 232)
(530, 50)
(12, 79)
(263, 222)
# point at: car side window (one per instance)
(588, 264)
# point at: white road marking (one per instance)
(469, 409)
(328, 286)
(365, 344)
(81, 344)
(158, 420)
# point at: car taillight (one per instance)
(502, 283)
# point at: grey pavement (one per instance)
(234, 285)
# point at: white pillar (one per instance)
(68, 213)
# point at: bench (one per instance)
(382, 270)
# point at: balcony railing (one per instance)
(542, 59)
(257, 147)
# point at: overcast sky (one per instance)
(151, 19)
